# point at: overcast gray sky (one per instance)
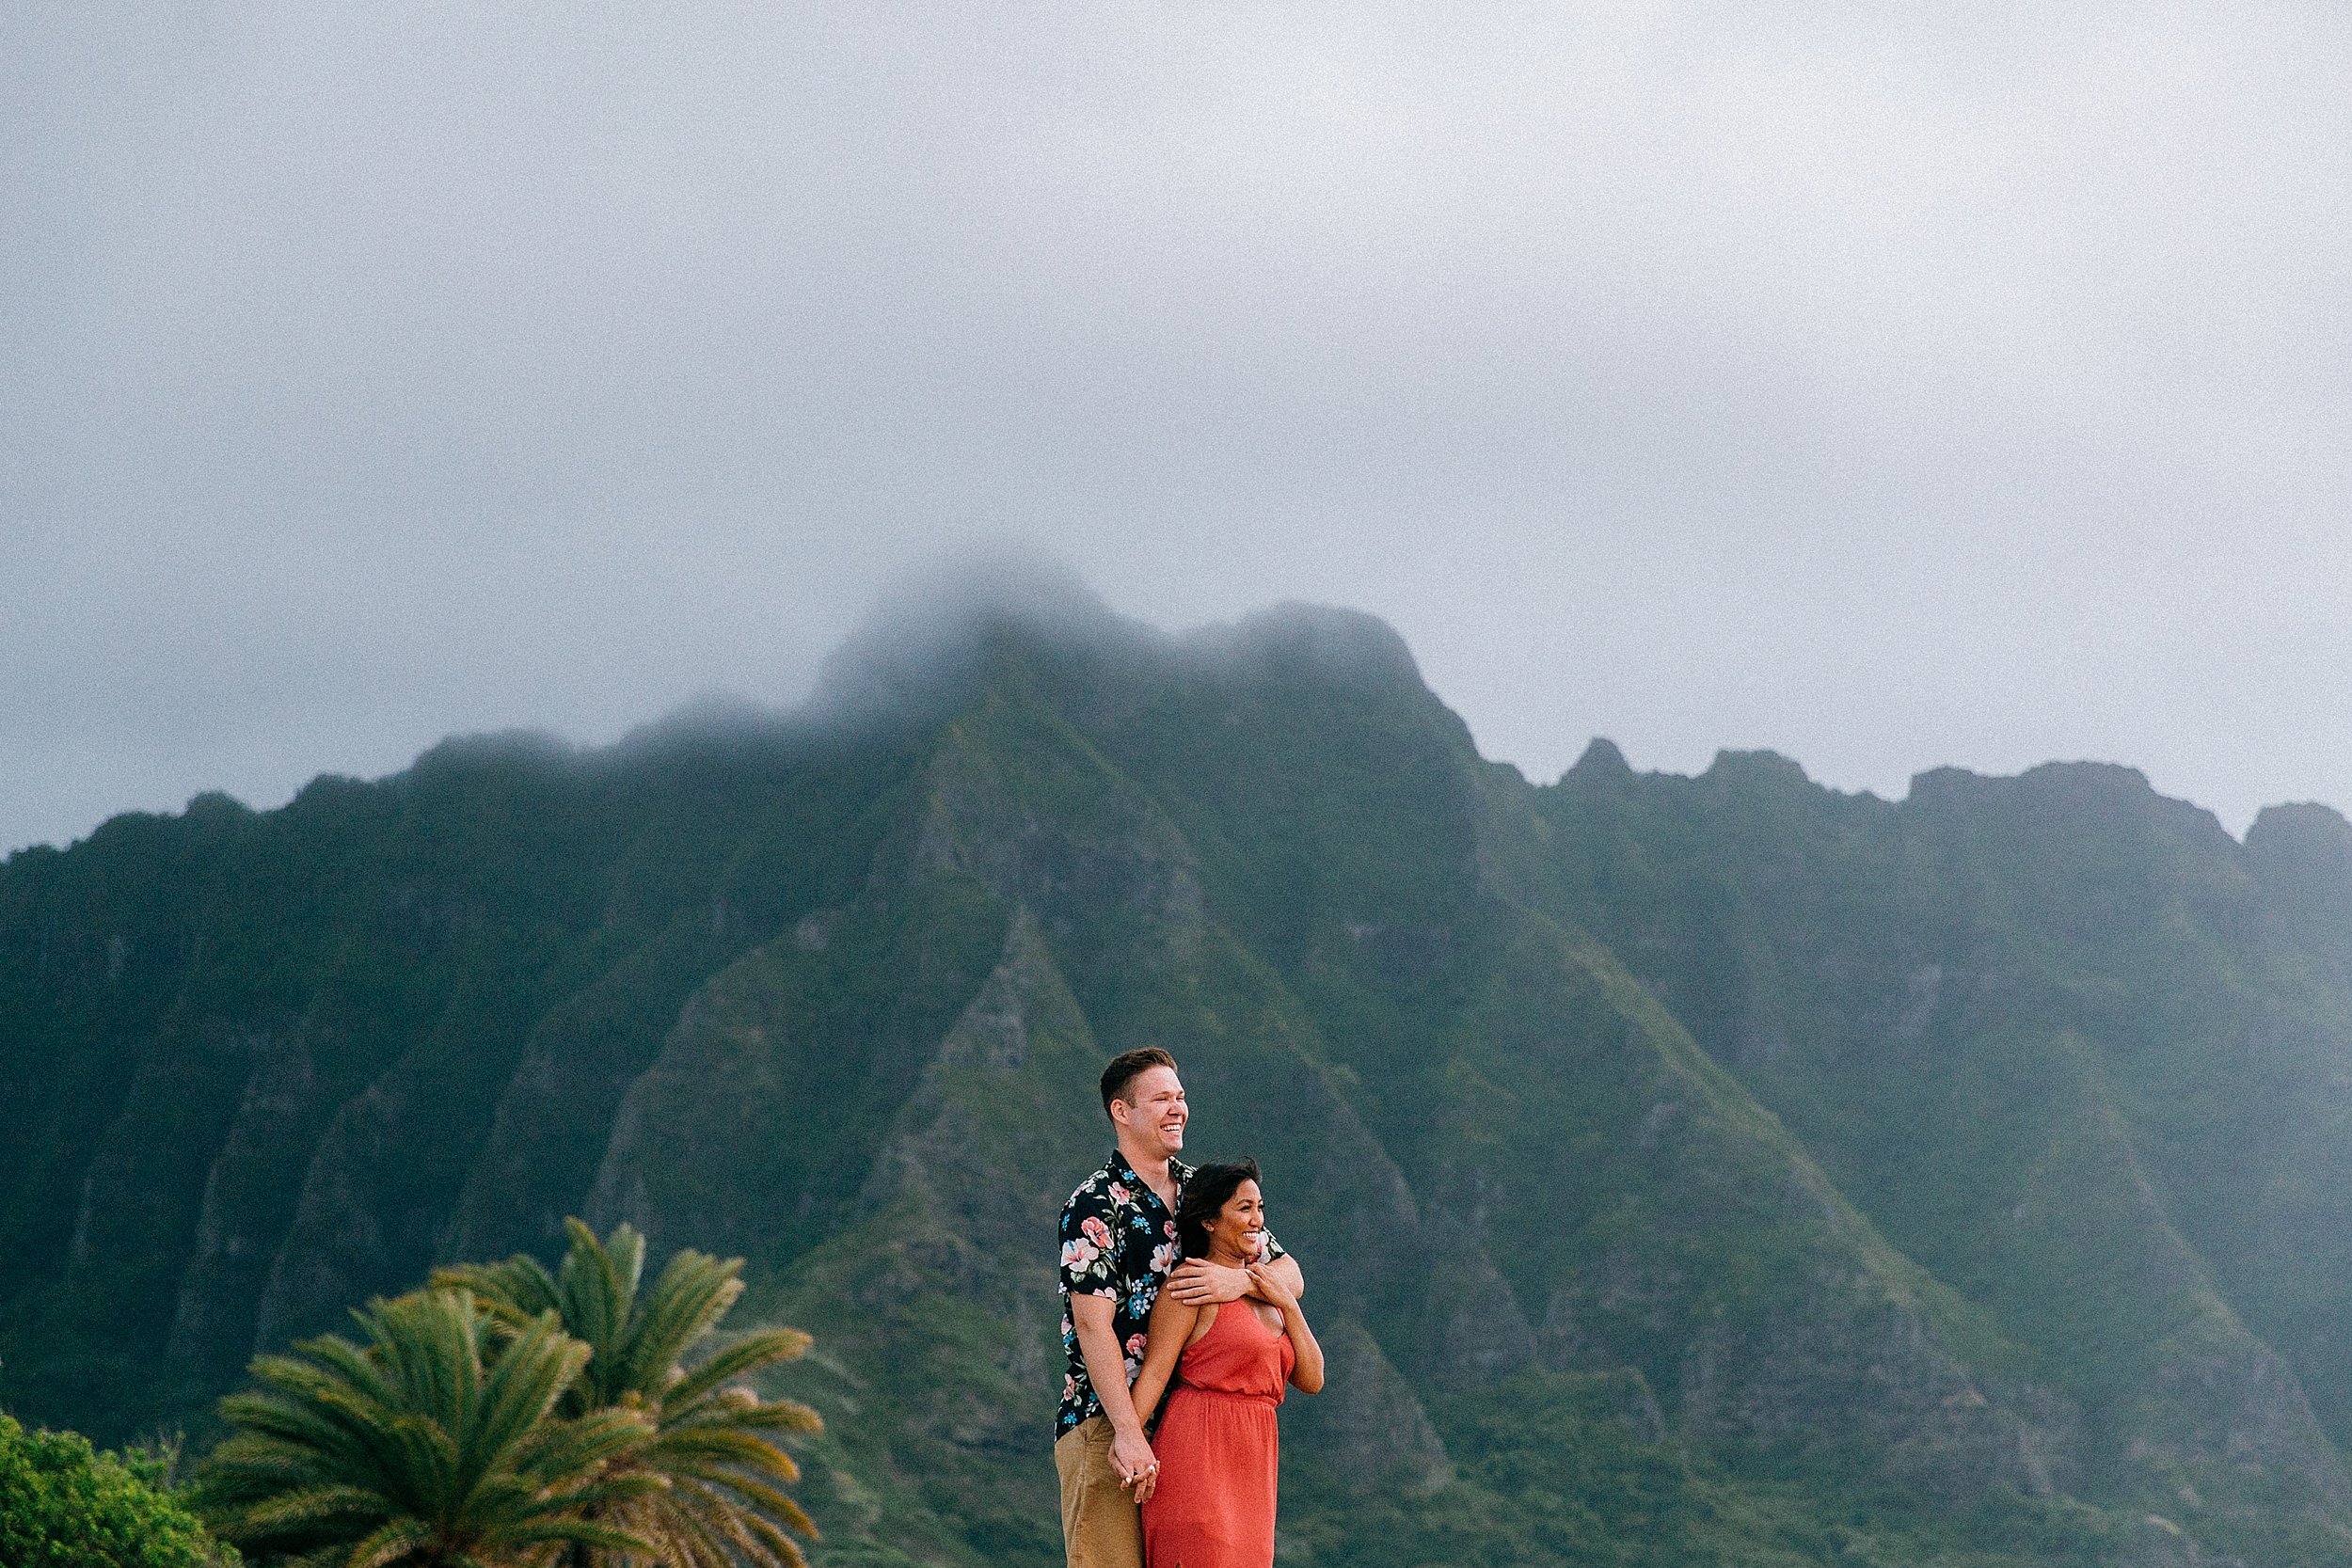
(1889, 385)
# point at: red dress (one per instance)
(1217, 1448)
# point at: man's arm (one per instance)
(1106, 1368)
(1198, 1282)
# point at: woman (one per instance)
(1212, 1504)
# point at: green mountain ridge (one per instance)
(1686, 1169)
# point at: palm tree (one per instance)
(721, 1502)
(413, 1452)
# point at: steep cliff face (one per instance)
(1685, 1169)
(2061, 1043)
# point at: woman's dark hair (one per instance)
(1206, 1192)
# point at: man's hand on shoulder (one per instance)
(1198, 1282)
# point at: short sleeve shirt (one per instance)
(1119, 1241)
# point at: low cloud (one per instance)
(1889, 387)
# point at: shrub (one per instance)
(64, 1505)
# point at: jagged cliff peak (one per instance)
(2303, 828)
(1761, 768)
(1602, 762)
(2301, 854)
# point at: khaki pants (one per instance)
(1099, 1526)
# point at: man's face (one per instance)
(1155, 1111)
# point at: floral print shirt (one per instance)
(1118, 1240)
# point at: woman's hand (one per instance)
(1137, 1465)
(1268, 1287)
(1268, 1284)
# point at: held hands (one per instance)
(1138, 1467)
(1267, 1286)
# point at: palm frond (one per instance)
(397, 1541)
(694, 1292)
(435, 1441)
(740, 1359)
(686, 1456)
(763, 1498)
(514, 1292)
(312, 1505)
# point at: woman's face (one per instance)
(1240, 1225)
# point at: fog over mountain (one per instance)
(1891, 386)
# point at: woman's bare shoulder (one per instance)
(1170, 1316)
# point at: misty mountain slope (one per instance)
(2050, 1034)
(1528, 1087)
(1420, 1270)
(1686, 1170)
(754, 1127)
(300, 1038)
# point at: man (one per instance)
(1118, 1251)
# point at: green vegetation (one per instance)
(423, 1449)
(1711, 1171)
(64, 1504)
(721, 1500)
